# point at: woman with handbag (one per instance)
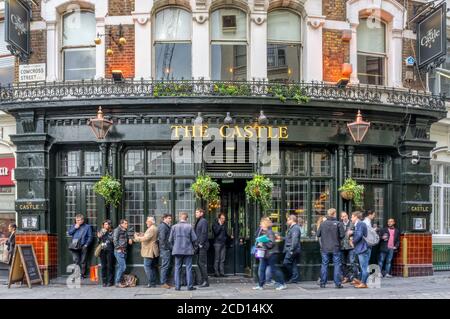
(105, 250)
(267, 252)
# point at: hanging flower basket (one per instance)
(351, 190)
(259, 189)
(110, 189)
(207, 189)
(347, 195)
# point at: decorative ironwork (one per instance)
(299, 92)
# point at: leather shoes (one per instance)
(216, 275)
(322, 285)
(339, 286)
(346, 280)
(165, 286)
(192, 288)
(222, 275)
(204, 284)
(356, 281)
(177, 289)
(361, 285)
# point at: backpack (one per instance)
(372, 237)
(129, 280)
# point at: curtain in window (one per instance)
(173, 25)
(371, 36)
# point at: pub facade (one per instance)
(289, 75)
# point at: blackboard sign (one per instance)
(24, 266)
(432, 37)
(18, 17)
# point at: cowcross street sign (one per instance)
(17, 30)
(432, 37)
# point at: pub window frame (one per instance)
(81, 163)
(439, 195)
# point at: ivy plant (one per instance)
(259, 189)
(352, 190)
(206, 188)
(110, 189)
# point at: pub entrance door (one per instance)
(237, 211)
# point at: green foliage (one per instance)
(172, 89)
(235, 89)
(355, 189)
(205, 188)
(285, 92)
(110, 189)
(259, 189)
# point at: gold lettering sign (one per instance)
(231, 131)
(30, 206)
(420, 209)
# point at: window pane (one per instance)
(79, 64)
(446, 211)
(283, 25)
(275, 212)
(173, 24)
(435, 172)
(295, 163)
(184, 199)
(91, 205)
(159, 199)
(134, 162)
(446, 174)
(371, 36)
(173, 60)
(296, 196)
(70, 163)
(91, 163)
(370, 69)
(435, 217)
(70, 204)
(360, 166)
(321, 201)
(6, 70)
(134, 204)
(320, 164)
(228, 24)
(79, 28)
(378, 166)
(223, 62)
(159, 163)
(186, 163)
(283, 62)
(378, 205)
(5, 220)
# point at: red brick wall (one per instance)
(123, 58)
(334, 9)
(38, 241)
(419, 260)
(121, 7)
(335, 52)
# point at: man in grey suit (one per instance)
(182, 239)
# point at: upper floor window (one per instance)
(78, 47)
(438, 83)
(283, 45)
(228, 45)
(371, 38)
(6, 60)
(173, 44)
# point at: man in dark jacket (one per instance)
(389, 244)
(164, 248)
(331, 232)
(182, 239)
(81, 234)
(349, 268)
(220, 233)
(201, 230)
(292, 249)
(361, 249)
(121, 241)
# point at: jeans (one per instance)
(107, 260)
(121, 265)
(179, 260)
(386, 255)
(219, 258)
(203, 264)
(349, 267)
(79, 258)
(150, 269)
(276, 273)
(364, 264)
(290, 263)
(165, 256)
(326, 257)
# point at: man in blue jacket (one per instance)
(361, 248)
(81, 234)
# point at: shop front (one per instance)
(311, 154)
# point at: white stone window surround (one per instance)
(52, 12)
(393, 15)
(441, 186)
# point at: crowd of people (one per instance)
(347, 242)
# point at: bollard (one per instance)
(46, 263)
(405, 256)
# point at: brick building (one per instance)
(184, 60)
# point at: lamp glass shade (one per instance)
(359, 128)
(99, 125)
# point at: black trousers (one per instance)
(219, 258)
(107, 260)
(203, 264)
(80, 258)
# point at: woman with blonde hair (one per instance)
(265, 242)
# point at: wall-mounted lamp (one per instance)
(118, 38)
(99, 125)
(228, 119)
(359, 128)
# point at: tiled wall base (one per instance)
(419, 256)
(38, 241)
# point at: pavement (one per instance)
(430, 287)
